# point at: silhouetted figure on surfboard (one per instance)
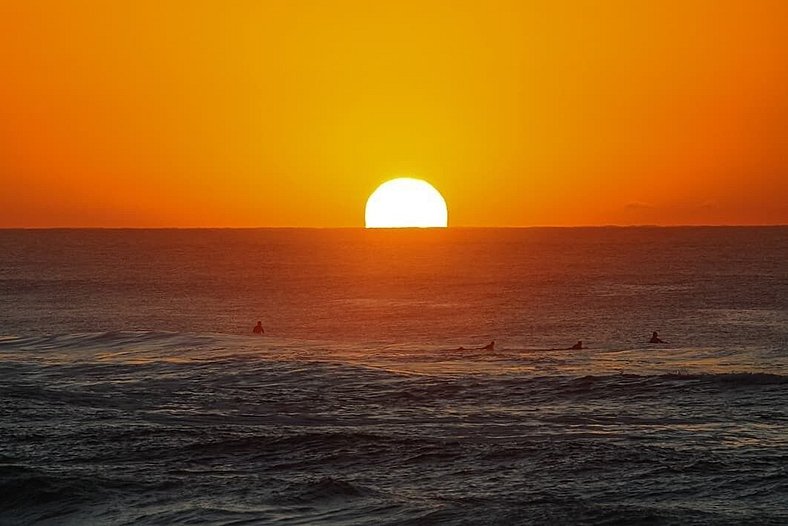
(577, 346)
(258, 329)
(655, 338)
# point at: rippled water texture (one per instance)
(132, 390)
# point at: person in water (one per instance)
(258, 329)
(655, 338)
(577, 346)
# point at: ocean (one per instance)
(132, 390)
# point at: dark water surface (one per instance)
(131, 390)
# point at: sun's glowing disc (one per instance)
(406, 202)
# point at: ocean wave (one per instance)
(32, 495)
(159, 361)
(336, 442)
(103, 340)
(321, 489)
(743, 379)
(22, 487)
(615, 385)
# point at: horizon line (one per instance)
(458, 227)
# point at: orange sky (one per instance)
(291, 112)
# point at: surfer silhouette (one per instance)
(258, 329)
(577, 346)
(655, 338)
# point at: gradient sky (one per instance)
(290, 113)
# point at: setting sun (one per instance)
(406, 202)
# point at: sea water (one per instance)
(132, 390)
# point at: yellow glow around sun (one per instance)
(406, 202)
